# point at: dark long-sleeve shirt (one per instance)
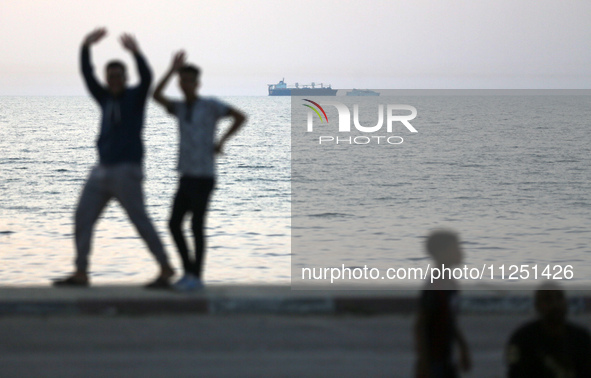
(122, 117)
(532, 352)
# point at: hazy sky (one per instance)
(244, 45)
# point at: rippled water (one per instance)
(47, 148)
(512, 174)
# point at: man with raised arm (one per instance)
(198, 118)
(119, 173)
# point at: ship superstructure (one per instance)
(313, 89)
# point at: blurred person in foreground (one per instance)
(549, 346)
(436, 329)
(119, 173)
(197, 119)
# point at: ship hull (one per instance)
(362, 92)
(302, 92)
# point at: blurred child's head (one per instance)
(189, 76)
(444, 247)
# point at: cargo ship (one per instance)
(281, 89)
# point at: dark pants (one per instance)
(441, 369)
(192, 196)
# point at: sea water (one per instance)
(47, 148)
(510, 173)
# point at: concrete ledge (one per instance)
(375, 305)
(271, 305)
(142, 306)
(251, 299)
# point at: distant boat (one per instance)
(362, 92)
(281, 89)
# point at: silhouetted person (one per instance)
(436, 328)
(551, 346)
(197, 117)
(119, 172)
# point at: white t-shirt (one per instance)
(197, 133)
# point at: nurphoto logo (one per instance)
(392, 116)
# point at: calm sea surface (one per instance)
(47, 147)
(512, 174)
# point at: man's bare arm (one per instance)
(177, 62)
(465, 358)
(239, 119)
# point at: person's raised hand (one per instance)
(95, 36)
(129, 43)
(178, 60)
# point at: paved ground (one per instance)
(245, 331)
(232, 346)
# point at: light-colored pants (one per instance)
(123, 182)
